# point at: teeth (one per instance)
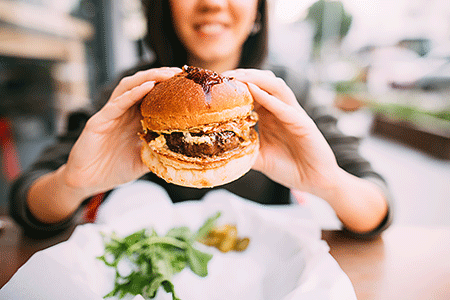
(211, 28)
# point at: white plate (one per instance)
(285, 259)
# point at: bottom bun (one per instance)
(189, 174)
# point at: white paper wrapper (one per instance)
(285, 259)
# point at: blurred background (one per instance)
(383, 66)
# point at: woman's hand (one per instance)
(293, 152)
(107, 153)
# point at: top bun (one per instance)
(193, 98)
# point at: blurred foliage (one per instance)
(349, 87)
(356, 91)
(333, 9)
(407, 112)
(444, 115)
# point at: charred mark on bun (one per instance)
(205, 78)
(198, 129)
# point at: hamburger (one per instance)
(198, 129)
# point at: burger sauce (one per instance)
(205, 78)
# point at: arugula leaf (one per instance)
(206, 227)
(181, 233)
(198, 261)
(155, 259)
(168, 287)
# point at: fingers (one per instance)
(130, 91)
(118, 106)
(128, 83)
(289, 115)
(271, 93)
(269, 102)
(267, 81)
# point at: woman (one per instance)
(221, 35)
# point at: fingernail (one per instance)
(252, 85)
(149, 83)
(228, 73)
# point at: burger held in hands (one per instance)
(198, 129)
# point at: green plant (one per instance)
(334, 9)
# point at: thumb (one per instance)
(259, 163)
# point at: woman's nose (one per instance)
(207, 5)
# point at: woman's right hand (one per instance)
(107, 153)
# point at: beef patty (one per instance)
(215, 143)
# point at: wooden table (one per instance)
(405, 263)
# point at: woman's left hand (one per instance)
(293, 151)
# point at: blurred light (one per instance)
(380, 22)
(289, 11)
(340, 71)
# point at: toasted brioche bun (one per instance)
(180, 104)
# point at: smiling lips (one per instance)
(210, 28)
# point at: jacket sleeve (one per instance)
(345, 148)
(49, 160)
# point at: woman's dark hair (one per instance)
(169, 51)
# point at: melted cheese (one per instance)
(159, 142)
(196, 139)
